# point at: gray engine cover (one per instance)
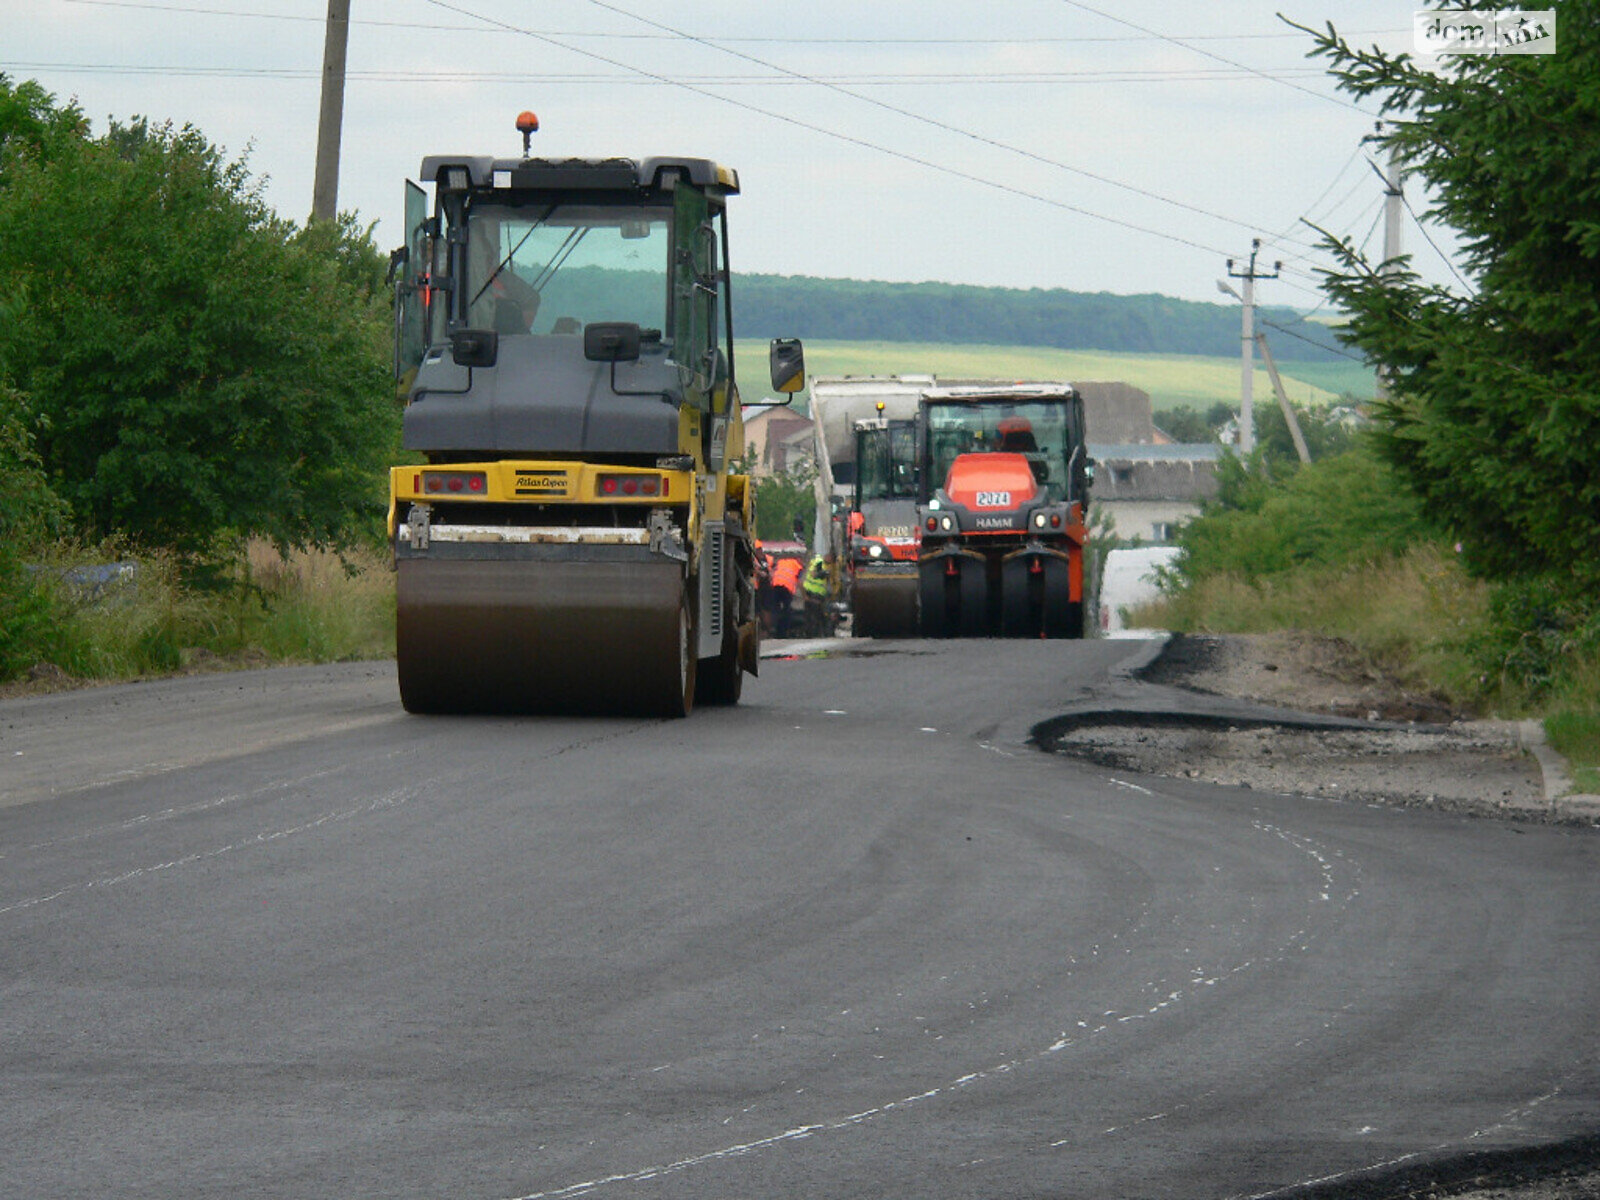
(544, 398)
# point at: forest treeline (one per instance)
(864, 310)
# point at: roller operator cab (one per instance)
(882, 536)
(572, 539)
(1004, 492)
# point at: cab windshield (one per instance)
(1039, 430)
(886, 462)
(554, 268)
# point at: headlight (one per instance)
(947, 523)
(875, 550)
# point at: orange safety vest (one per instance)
(786, 573)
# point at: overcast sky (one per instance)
(1120, 145)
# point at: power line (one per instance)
(1428, 237)
(922, 118)
(700, 87)
(1208, 54)
(850, 139)
(1375, 208)
(418, 76)
(777, 39)
(1283, 237)
(1313, 341)
(1334, 182)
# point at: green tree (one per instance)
(783, 498)
(29, 513)
(1324, 435)
(1184, 423)
(31, 125)
(197, 369)
(1494, 406)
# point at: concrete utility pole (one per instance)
(1247, 377)
(1391, 239)
(1283, 401)
(325, 191)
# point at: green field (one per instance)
(1171, 379)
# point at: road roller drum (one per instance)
(544, 637)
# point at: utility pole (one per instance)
(1247, 416)
(1283, 401)
(1391, 239)
(325, 191)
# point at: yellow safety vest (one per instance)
(816, 580)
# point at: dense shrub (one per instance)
(1344, 510)
(196, 368)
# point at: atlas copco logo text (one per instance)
(1485, 31)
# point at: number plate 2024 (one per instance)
(994, 500)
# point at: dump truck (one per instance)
(1004, 480)
(572, 539)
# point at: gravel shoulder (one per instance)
(1319, 721)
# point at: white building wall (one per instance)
(1151, 521)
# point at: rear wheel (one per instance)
(680, 703)
(720, 680)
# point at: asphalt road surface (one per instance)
(264, 935)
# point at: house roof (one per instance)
(1156, 452)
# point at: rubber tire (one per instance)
(1017, 605)
(974, 590)
(1060, 617)
(932, 612)
(720, 681)
(683, 704)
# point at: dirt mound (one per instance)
(1298, 671)
(1418, 751)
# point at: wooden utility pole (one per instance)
(325, 191)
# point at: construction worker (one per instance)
(785, 581)
(815, 586)
(501, 299)
(764, 586)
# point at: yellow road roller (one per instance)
(572, 539)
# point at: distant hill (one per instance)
(1172, 380)
(856, 310)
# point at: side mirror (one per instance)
(611, 341)
(788, 362)
(475, 347)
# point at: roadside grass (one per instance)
(1576, 735)
(317, 606)
(1198, 381)
(1415, 616)
(313, 606)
